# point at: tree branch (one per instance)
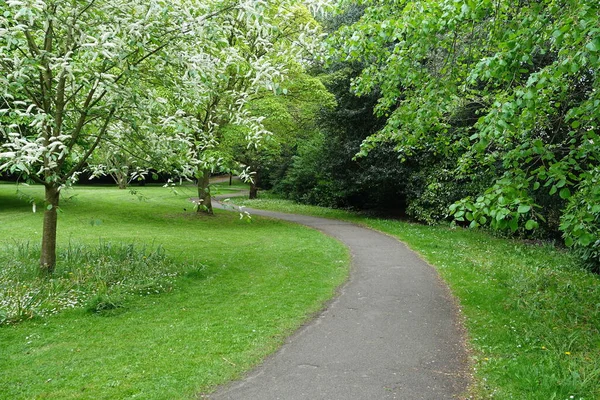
(88, 153)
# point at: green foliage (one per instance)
(506, 90)
(289, 117)
(305, 181)
(580, 221)
(433, 187)
(325, 171)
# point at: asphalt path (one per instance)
(393, 332)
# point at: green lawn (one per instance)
(532, 313)
(241, 288)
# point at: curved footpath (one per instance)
(393, 332)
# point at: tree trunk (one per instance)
(253, 191)
(48, 255)
(123, 177)
(254, 187)
(205, 205)
(122, 180)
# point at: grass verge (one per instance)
(532, 313)
(99, 278)
(240, 288)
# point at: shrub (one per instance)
(580, 221)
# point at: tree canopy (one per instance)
(507, 91)
(73, 72)
(484, 112)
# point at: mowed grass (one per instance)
(248, 286)
(532, 313)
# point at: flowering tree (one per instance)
(245, 51)
(122, 158)
(67, 68)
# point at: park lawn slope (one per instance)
(248, 286)
(531, 311)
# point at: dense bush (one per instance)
(471, 112)
(432, 188)
(502, 98)
(580, 221)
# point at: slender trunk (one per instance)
(205, 205)
(122, 182)
(120, 179)
(230, 178)
(123, 178)
(48, 255)
(253, 191)
(254, 187)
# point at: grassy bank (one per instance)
(226, 292)
(532, 313)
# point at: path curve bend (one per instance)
(393, 332)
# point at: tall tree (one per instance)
(290, 117)
(247, 50)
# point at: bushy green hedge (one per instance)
(580, 221)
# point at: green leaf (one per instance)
(531, 225)
(594, 45)
(523, 208)
(513, 224)
(585, 239)
(568, 241)
(49, 207)
(574, 67)
(565, 193)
